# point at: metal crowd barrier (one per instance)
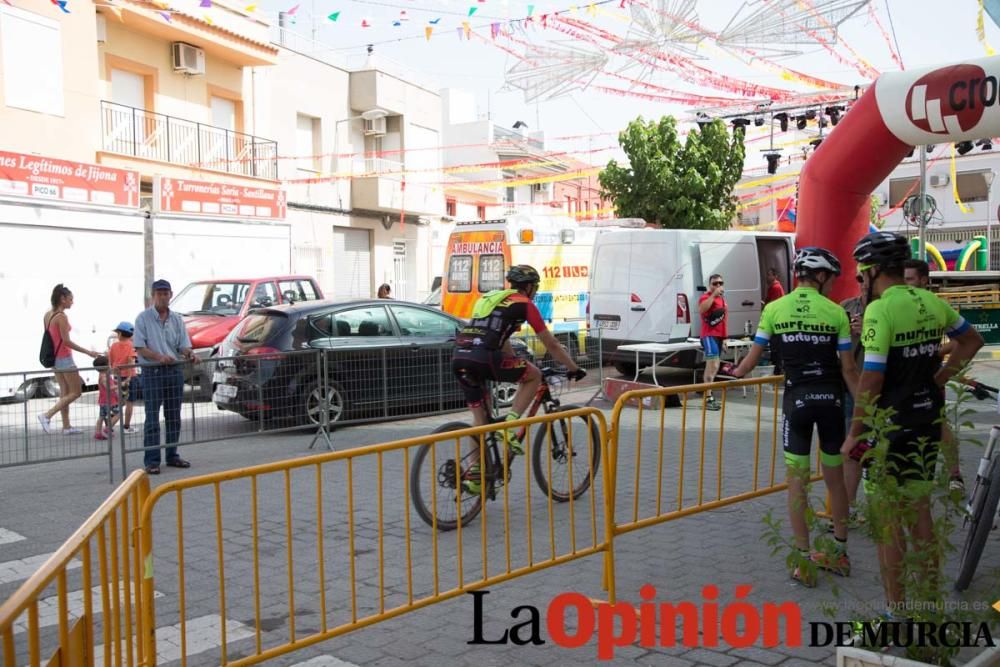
(331, 543)
(22, 438)
(307, 555)
(94, 624)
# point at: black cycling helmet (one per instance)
(811, 259)
(881, 249)
(522, 274)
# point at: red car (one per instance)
(211, 308)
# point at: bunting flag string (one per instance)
(896, 57)
(981, 30)
(872, 72)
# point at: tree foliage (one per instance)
(675, 184)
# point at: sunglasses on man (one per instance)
(718, 283)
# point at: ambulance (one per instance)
(479, 254)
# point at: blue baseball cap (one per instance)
(125, 327)
(161, 284)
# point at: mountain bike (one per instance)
(982, 508)
(563, 468)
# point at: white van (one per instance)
(644, 281)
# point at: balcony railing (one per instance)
(376, 166)
(154, 136)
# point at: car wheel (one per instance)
(312, 402)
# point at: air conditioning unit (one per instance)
(539, 187)
(375, 127)
(939, 180)
(188, 59)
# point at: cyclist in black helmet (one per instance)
(902, 370)
(483, 353)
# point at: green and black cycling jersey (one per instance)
(810, 330)
(902, 338)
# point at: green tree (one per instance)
(675, 184)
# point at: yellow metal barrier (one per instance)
(111, 533)
(729, 457)
(306, 556)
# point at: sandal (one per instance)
(152, 470)
(178, 463)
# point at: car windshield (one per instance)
(211, 299)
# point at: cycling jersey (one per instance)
(495, 318)
(902, 337)
(809, 331)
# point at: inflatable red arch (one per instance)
(933, 105)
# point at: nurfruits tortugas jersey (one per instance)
(902, 338)
(810, 330)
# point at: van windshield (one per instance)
(220, 299)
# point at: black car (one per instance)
(383, 358)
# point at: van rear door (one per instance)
(737, 263)
(609, 286)
(654, 279)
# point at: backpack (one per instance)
(487, 302)
(47, 353)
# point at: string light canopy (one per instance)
(766, 24)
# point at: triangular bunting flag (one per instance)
(403, 16)
(161, 4)
(205, 4)
(458, 31)
(365, 23)
(334, 16)
(396, 24)
(545, 19)
(208, 19)
(251, 8)
(494, 30)
(592, 9)
(291, 12)
(467, 28)
(62, 6)
(473, 10)
(531, 9)
(427, 32)
(166, 16)
(434, 21)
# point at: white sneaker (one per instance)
(71, 431)
(45, 422)
(131, 430)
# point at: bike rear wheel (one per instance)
(985, 499)
(566, 455)
(435, 480)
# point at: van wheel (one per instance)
(625, 369)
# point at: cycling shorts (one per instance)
(807, 408)
(712, 346)
(473, 368)
(912, 458)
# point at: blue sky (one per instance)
(928, 32)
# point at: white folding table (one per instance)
(669, 350)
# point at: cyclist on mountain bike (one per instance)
(813, 335)
(483, 353)
(902, 370)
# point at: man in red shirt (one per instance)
(714, 313)
(774, 292)
(774, 289)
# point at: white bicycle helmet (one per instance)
(811, 259)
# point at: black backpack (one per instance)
(47, 353)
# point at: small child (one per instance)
(107, 399)
(123, 359)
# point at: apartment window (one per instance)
(223, 113)
(31, 49)
(973, 186)
(450, 208)
(307, 143)
(481, 212)
(509, 195)
(900, 188)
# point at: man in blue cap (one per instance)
(162, 342)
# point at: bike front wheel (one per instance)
(985, 499)
(435, 480)
(566, 455)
